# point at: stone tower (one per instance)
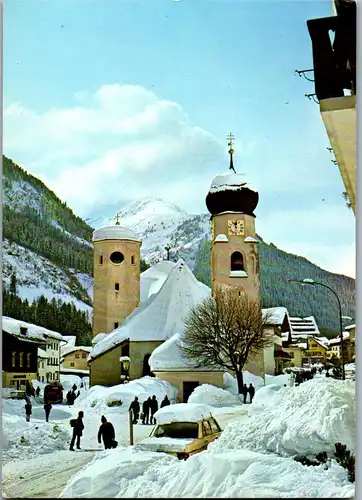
(116, 272)
(234, 247)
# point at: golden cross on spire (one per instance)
(230, 139)
(117, 220)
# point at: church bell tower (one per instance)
(116, 272)
(234, 247)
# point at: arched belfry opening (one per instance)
(237, 262)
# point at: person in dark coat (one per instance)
(154, 408)
(37, 392)
(135, 408)
(165, 402)
(146, 411)
(106, 431)
(77, 431)
(245, 392)
(28, 411)
(28, 388)
(47, 408)
(251, 391)
(74, 387)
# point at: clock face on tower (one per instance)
(236, 227)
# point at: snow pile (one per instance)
(182, 412)
(306, 419)
(277, 380)
(68, 381)
(99, 398)
(265, 397)
(231, 385)
(21, 439)
(126, 473)
(213, 396)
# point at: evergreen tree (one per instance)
(13, 287)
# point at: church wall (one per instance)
(106, 370)
(177, 378)
(137, 352)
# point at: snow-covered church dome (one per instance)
(229, 192)
(115, 232)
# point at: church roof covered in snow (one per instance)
(28, 331)
(169, 357)
(162, 315)
(114, 233)
(154, 277)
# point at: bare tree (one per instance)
(225, 331)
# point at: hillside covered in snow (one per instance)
(48, 248)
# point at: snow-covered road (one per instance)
(44, 476)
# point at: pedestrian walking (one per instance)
(78, 427)
(135, 408)
(37, 392)
(47, 408)
(154, 408)
(106, 432)
(28, 410)
(251, 391)
(165, 401)
(146, 411)
(245, 392)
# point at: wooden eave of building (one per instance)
(24, 338)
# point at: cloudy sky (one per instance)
(111, 101)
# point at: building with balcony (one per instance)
(334, 64)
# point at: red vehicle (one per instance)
(53, 392)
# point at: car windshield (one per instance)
(178, 430)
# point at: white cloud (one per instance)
(121, 143)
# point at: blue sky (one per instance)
(111, 101)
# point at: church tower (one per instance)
(234, 247)
(116, 272)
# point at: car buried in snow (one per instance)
(182, 430)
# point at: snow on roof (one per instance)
(114, 233)
(228, 181)
(42, 354)
(275, 315)
(303, 325)
(337, 340)
(169, 357)
(73, 370)
(250, 239)
(154, 277)
(183, 412)
(162, 314)
(221, 238)
(350, 327)
(33, 332)
(98, 338)
(69, 339)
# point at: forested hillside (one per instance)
(276, 267)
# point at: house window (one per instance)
(13, 359)
(28, 356)
(116, 324)
(116, 287)
(21, 360)
(101, 259)
(237, 262)
(132, 260)
(71, 364)
(84, 355)
(77, 356)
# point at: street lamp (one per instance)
(309, 281)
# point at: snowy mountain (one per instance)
(159, 223)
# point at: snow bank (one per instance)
(213, 396)
(126, 473)
(306, 419)
(22, 440)
(231, 385)
(68, 381)
(182, 412)
(99, 398)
